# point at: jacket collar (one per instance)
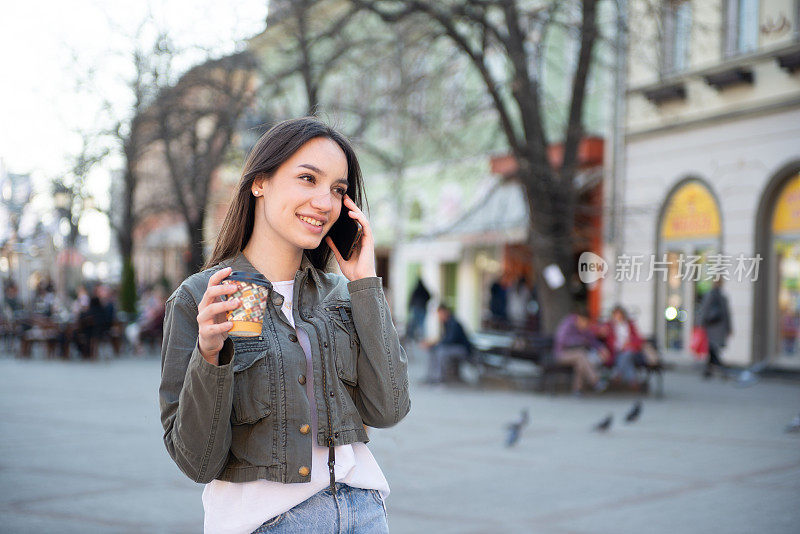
(241, 263)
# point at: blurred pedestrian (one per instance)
(518, 297)
(498, 304)
(576, 345)
(106, 312)
(90, 328)
(263, 420)
(12, 305)
(12, 315)
(417, 311)
(715, 317)
(80, 301)
(452, 348)
(44, 301)
(149, 326)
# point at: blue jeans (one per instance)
(351, 511)
(625, 365)
(441, 356)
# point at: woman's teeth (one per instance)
(310, 221)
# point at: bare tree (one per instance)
(194, 122)
(132, 139)
(513, 32)
(384, 85)
(123, 127)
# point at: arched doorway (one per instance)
(776, 298)
(689, 231)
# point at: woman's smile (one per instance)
(314, 225)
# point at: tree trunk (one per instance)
(127, 290)
(124, 231)
(551, 243)
(554, 304)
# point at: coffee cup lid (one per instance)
(245, 276)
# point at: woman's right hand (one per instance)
(212, 324)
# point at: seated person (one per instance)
(150, 324)
(626, 346)
(453, 346)
(576, 345)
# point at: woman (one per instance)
(627, 348)
(274, 424)
(715, 317)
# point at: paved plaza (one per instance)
(82, 452)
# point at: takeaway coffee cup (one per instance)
(252, 292)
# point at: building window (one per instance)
(741, 26)
(676, 35)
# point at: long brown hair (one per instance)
(271, 150)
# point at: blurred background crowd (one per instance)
(494, 165)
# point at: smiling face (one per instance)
(303, 198)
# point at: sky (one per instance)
(48, 48)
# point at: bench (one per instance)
(493, 350)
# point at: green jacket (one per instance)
(241, 420)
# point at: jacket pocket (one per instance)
(254, 436)
(344, 341)
(252, 382)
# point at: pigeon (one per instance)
(794, 426)
(634, 412)
(605, 424)
(515, 428)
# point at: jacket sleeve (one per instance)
(195, 396)
(636, 340)
(710, 309)
(727, 314)
(382, 396)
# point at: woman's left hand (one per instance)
(362, 261)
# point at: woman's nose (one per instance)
(322, 201)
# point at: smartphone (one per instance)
(345, 233)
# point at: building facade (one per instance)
(711, 184)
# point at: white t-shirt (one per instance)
(241, 507)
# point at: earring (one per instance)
(255, 193)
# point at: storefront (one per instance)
(778, 289)
(689, 231)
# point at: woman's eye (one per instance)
(341, 191)
(304, 176)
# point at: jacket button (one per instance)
(292, 337)
(277, 299)
(325, 344)
(304, 471)
(301, 379)
(331, 393)
(304, 429)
